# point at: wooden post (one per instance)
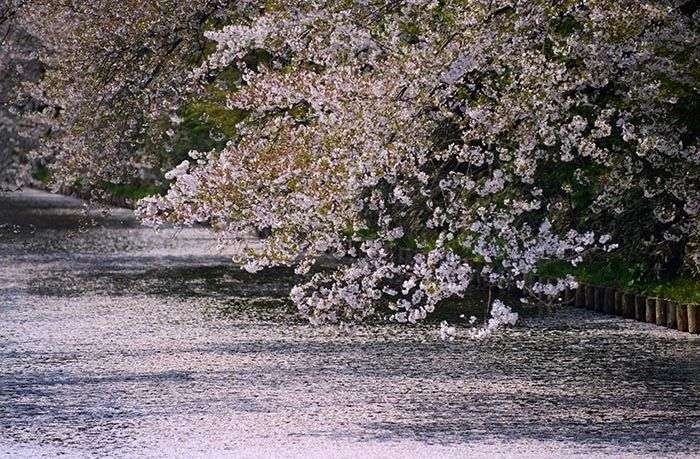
(569, 295)
(671, 314)
(639, 307)
(580, 301)
(599, 299)
(650, 311)
(661, 312)
(610, 301)
(619, 310)
(628, 305)
(693, 318)
(590, 301)
(681, 317)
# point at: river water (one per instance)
(119, 341)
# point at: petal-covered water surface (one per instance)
(116, 340)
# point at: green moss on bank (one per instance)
(618, 273)
(682, 289)
(130, 192)
(41, 174)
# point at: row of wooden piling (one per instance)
(678, 316)
(608, 300)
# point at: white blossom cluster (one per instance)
(467, 128)
(501, 316)
(488, 136)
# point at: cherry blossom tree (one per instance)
(114, 74)
(18, 65)
(484, 138)
(489, 136)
